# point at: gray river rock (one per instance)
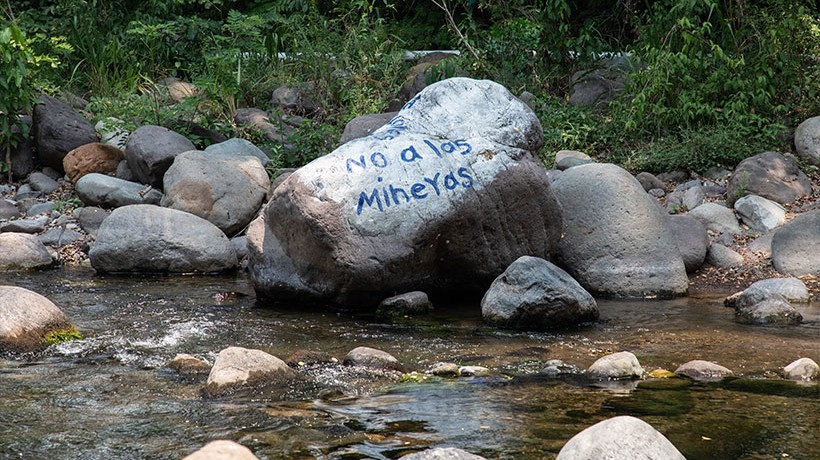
(152, 239)
(447, 194)
(225, 189)
(616, 239)
(97, 189)
(534, 294)
(238, 368)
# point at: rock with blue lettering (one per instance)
(447, 194)
(617, 241)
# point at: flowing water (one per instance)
(110, 396)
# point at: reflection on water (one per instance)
(109, 396)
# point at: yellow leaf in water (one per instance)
(705, 438)
(662, 374)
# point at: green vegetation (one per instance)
(58, 336)
(710, 82)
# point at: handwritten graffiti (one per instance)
(383, 197)
(408, 154)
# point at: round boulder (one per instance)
(151, 151)
(238, 368)
(770, 175)
(796, 245)
(443, 453)
(224, 189)
(444, 196)
(616, 238)
(147, 238)
(407, 304)
(705, 371)
(26, 318)
(534, 294)
(222, 450)
(807, 140)
(92, 158)
(373, 358)
(238, 146)
(621, 365)
(717, 218)
(22, 251)
(620, 438)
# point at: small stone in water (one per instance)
(446, 370)
(802, 369)
(474, 371)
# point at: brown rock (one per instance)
(25, 319)
(92, 158)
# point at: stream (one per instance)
(110, 396)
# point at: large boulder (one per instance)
(796, 245)
(238, 368)
(147, 238)
(770, 175)
(92, 158)
(22, 251)
(807, 140)
(620, 365)
(534, 294)
(151, 151)
(616, 240)
(58, 129)
(620, 438)
(447, 194)
(26, 318)
(224, 189)
(97, 189)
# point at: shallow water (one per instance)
(109, 395)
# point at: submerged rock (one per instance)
(621, 365)
(188, 365)
(372, 358)
(620, 438)
(447, 194)
(407, 304)
(26, 318)
(534, 294)
(443, 453)
(222, 450)
(703, 371)
(616, 239)
(238, 368)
